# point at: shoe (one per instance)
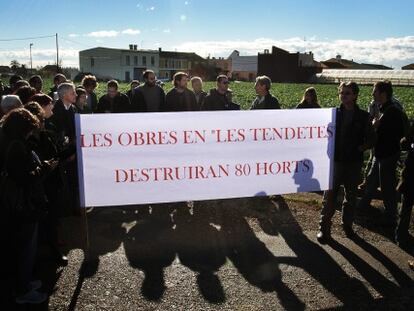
(31, 297)
(61, 260)
(411, 264)
(362, 186)
(323, 237)
(349, 232)
(35, 284)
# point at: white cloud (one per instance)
(103, 34)
(73, 35)
(394, 52)
(167, 30)
(41, 57)
(152, 8)
(130, 31)
(389, 51)
(183, 18)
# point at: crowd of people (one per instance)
(38, 154)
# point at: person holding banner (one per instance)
(264, 99)
(354, 134)
(63, 123)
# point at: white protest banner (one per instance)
(138, 158)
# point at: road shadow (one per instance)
(99, 231)
(150, 247)
(310, 256)
(199, 243)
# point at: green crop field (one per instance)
(289, 94)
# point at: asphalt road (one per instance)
(243, 254)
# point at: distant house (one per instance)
(408, 67)
(128, 64)
(341, 63)
(120, 64)
(243, 67)
(171, 62)
(283, 66)
(223, 65)
(5, 69)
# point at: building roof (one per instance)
(122, 50)
(181, 55)
(408, 67)
(341, 63)
(332, 65)
(5, 69)
(49, 68)
(375, 66)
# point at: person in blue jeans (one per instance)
(405, 188)
(389, 128)
(353, 136)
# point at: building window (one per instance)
(152, 60)
(92, 62)
(127, 60)
(177, 64)
(127, 76)
(136, 60)
(171, 63)
(144, 60)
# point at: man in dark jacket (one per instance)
(180, 98)
(389, 128)
(354, 134)
(113, 101)
(264, 99)
(63, 121)
(220, 98)
(64, 113)
(149, 97)
(405, 187)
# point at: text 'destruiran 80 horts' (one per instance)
(140, 158)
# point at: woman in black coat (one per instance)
(22, 199)
(44, 143)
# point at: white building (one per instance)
(243, 67)
(120, 64)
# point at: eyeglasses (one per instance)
(225, 82)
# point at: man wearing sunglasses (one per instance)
(220, 98)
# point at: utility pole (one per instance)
(57, 54)
(31, 63)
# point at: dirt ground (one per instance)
(239, 254)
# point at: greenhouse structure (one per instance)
(397, 77)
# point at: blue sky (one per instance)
(366, 31)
